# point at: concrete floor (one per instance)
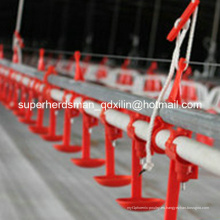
(39, 183)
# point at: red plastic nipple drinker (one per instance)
(86, 161)
(14, 102)
(11, 90)
(68, 115)
(39, 127)
(180, 171)
(111, 179)
(21, 111)
(88, 122)
(136, 202)
(51, 135)
(28, 114)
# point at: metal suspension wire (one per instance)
(112, 56)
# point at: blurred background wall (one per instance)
(105, 26)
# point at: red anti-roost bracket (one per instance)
(102, 72)
(51, 71)
(125, 78)
(183, 19)
(1, 51)
(175, 92)
(41, 64)
(78, 72)
(152, 68)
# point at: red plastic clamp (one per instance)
(20, 41)
(140, 144)
(125, 65)
(102, 72)
(36, 88)
(90, 121)
(159, 125)
(51, 71)
(73, 112)
(112, 132)
(184, 170)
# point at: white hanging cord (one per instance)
(148, 165)
(191, 37)
(15, 42)
(19, 15)
(19, 51)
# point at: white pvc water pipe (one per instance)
(187, 148)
